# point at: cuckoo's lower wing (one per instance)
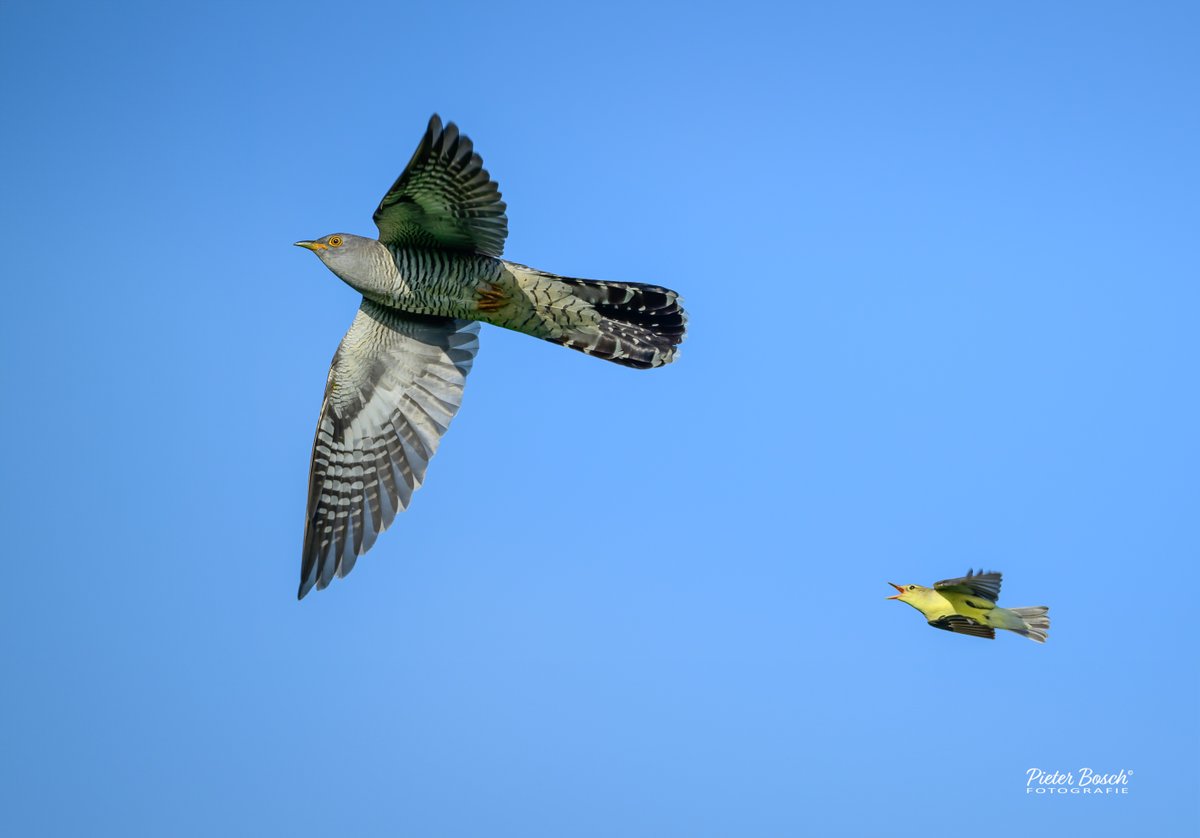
(395, 383)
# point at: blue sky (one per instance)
(941, 268)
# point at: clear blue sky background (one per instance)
(941, 265)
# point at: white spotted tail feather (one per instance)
(639, 326)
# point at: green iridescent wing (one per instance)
(444, 198)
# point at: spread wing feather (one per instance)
(444, 198)
(964, 625)
(984, 585)
(395, 383)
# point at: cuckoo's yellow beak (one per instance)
(898, 588)
(313, 246)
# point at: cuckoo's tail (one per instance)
(1034, 620)
(639, 326)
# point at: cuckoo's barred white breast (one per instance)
(397, 378)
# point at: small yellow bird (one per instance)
(968, 606)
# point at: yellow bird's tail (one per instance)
(1034, 622)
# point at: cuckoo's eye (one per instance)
(335, 241)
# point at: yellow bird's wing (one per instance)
(983, 585)
(963, 625)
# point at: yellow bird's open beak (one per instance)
(898, 588)
(313, 246)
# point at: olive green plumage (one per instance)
(967, 605)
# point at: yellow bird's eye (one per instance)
(912, 587)
(335, 241)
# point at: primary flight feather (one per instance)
(397, 378)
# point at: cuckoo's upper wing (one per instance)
(444, 198)
(395, 384)
(985, 585)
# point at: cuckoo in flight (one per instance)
(397, 378)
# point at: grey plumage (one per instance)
(397, 378)
(394, 385)
(1036, 623)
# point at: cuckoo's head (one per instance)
(363, 264)
(337, 247)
